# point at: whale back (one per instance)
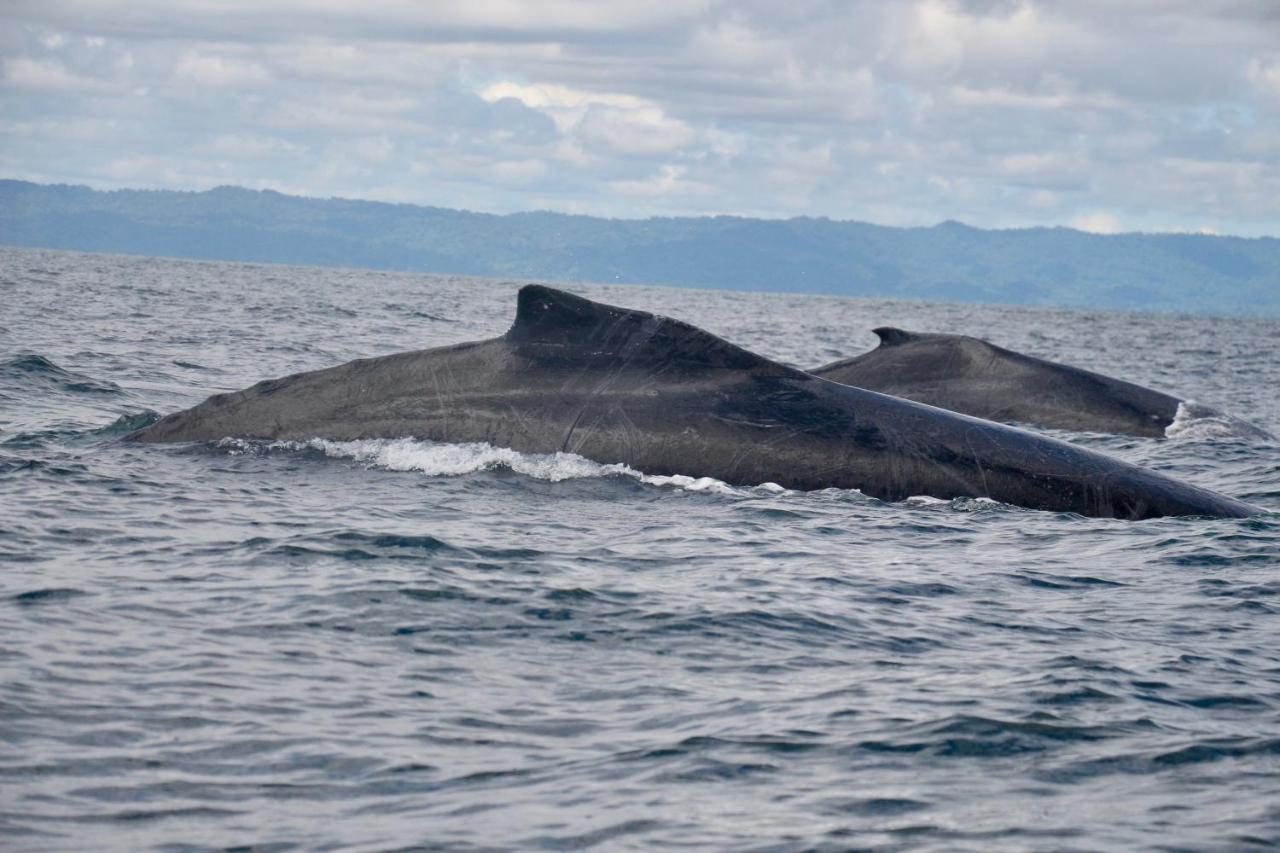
(973, 376)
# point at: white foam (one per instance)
(451, 460)
(1195, 422)
(958, 504)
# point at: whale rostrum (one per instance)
(665, 397)
(974, 377)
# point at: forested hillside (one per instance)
(954, 262)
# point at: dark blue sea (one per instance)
(395, 645)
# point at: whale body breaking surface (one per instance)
(621, 386)
(975, 377)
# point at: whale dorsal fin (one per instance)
(891, 337)
(552, 325)
(974, 353)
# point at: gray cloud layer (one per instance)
(1140, 115)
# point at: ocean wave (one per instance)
(78, 436)
(34, 368)
(125, 424)
(962, 504)
(1196, 422)
(436, 459)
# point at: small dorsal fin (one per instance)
(554, 325)
(891, 337)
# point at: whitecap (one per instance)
(449, 460)
(1196, 422)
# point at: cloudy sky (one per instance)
(1108, 115)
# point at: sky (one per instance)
(1104, 115)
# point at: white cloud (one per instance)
(353, 112)
(622, 123)
(1265, 75)
(1005, 97)
(211, 70)
(47, 75)
(1097, 223)
(280, 19)
(164, 171)
(644, 131)
(563, 105)
(730, 42)
(519, 172)
(945, 35)
(556, 97)
(72, 129)
(243, 147)
(668, 180)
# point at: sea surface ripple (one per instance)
(397, 645)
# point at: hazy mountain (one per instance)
(951, 261)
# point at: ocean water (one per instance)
(396, 645)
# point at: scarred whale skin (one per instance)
(616, 385)
(974, 377)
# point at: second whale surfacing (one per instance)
(616, 385)
(974, 377)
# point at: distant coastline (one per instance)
(951, 262)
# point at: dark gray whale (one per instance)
(974, 377)
(665, 397)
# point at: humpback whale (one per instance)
(663, 396)
(974, 377)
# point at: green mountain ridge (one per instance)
(947, 262)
